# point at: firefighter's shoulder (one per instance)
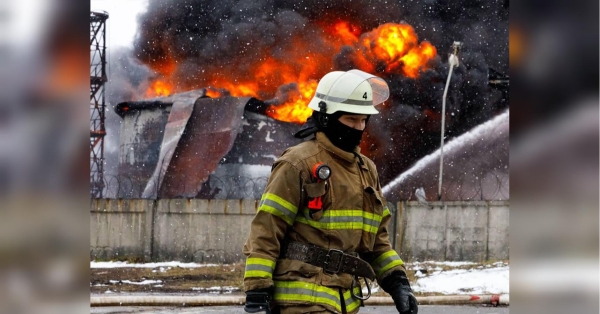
(296, 154)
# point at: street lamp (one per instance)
(453, 62)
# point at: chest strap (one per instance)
(332, 261)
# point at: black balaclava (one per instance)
(340, 135)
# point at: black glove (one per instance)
(396, 284)
(259, 301)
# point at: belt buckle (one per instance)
(326, 263)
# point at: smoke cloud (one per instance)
(196, 42)
(128, 81)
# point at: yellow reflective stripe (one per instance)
(342, 213)
(349, 219)
(386, 212)
(352, 303)
(279, 207)
(259, 267)
(386, 261)
(306, 292)
(258, 274)
(370, 229)
(372, 222)
(349, 216)
(331, 225)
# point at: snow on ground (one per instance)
(449, 264)
(492, 279)
(143, 282)
(147, 265)
(458, 278)
(217, 289)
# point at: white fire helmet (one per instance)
(354, 91)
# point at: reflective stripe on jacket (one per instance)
(354, 219)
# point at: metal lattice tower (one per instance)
(97, 101)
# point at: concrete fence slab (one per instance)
(121, 229)
(498, 232)
(454, 231)
(214, 231)
(466, 232)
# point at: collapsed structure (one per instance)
(189, 145)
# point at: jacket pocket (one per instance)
(316, 189)
(313, 191)
(372, 216)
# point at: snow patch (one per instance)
(463, 281)
(149, 265)
(129, 282)
(261, 124)
(268, 137)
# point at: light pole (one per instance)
(452, 62)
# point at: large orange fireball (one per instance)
(397, 47)
(392, 47)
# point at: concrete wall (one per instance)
(121, 228)
(214, 231)
(188, 230)
(453, 231)
(203, 231)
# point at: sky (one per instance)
(122, 19)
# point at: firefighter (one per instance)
(320, 232)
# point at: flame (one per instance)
(159, 88)
(416, 59)
(290, 81)
(347, 32)
(213, 93)
(165, 65)
(397, 47)
(296, 110)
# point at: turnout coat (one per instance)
(354, 220)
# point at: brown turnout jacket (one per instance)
(354, 219)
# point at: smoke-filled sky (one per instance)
(195, 43)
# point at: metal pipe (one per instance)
(178, 300)
(453, 62)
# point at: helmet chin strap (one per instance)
(323, 117)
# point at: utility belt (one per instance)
(331, 261)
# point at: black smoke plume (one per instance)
(208, 39)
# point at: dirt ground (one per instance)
(207, 279)
(172, 279)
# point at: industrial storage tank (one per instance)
(188, 145)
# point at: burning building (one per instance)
(190, 145)
(241, 54)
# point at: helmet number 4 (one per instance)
(365, 95)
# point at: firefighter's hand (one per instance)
(259, 301)
(405, 301)
(396, 284)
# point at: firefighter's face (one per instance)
(355, 121)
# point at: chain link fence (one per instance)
(465, 187)
(216, 187)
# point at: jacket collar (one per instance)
(326, 143)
